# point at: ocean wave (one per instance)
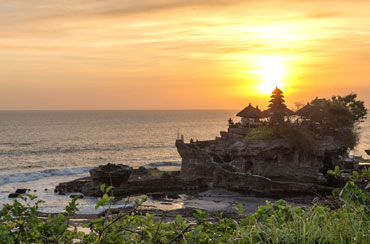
(37, 175)
(6, 143)
(54, 151)
(161, 164)
(22, 144)
(74, 149)
(14, 167)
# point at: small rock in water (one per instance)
(74, 195)
(21, 191)
(13, 195)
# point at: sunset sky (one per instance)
(180, 54)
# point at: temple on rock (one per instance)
(267, 153)
(275, 114)
(272, 152)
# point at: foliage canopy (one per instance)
(338, 111)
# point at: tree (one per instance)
(339, 111)
(356, 107)
(339, 116)
(330, 114)
(277, 106)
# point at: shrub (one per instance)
(357, 189)
(20, 224)
(300, 136)
(276, 222)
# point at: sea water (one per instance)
(40, 149)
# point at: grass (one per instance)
(262, 132)
(317, 224)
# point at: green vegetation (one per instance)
(356, 107)
(338, 112)
(276, 222)
(262, 132)
(301, 136)
(357, 188)
(338, 117)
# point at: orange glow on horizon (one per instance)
(180, 54)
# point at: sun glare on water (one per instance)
(271, 70)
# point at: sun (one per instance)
(271, 70)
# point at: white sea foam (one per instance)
(37, 175)
(161, 164)
(87, 208)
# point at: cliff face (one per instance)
(266, 167)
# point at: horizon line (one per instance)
(186, 109)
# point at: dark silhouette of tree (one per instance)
(277, 107)
(356, 107)
(339, 116)
(339, 111)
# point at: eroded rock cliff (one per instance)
(264, 167)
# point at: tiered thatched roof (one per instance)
(268, 112)
(250, 112)
(276, 107)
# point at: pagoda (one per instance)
(277, 108)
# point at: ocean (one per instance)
(39, 149)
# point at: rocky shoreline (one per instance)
(271, 168)
(258, 168)
(231, 165)
(141, 181)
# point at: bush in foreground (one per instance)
(272, 223)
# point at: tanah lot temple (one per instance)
(248, 158)
(277, 113)
(254, 117)
(271, 152)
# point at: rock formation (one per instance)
(18, 192)
(264, 167)
(111, 174)
(141, 181)
(270, 167)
